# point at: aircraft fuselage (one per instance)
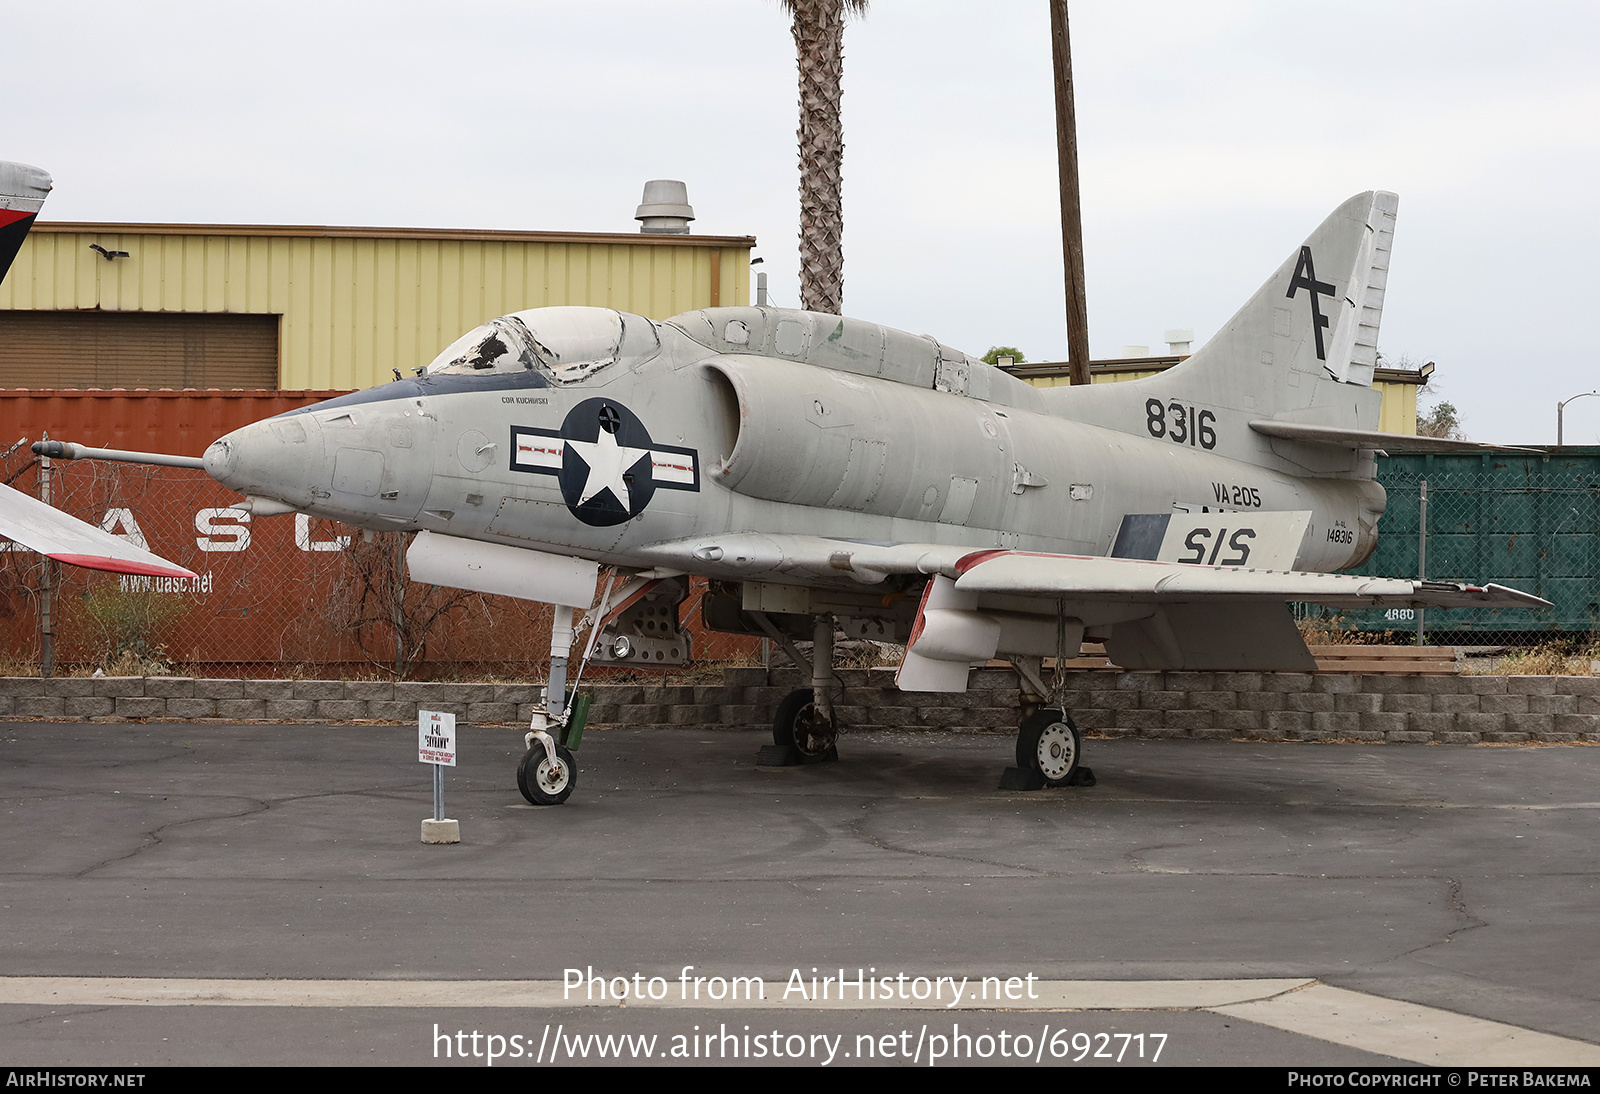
(684, 442)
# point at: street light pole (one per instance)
(1561, 406)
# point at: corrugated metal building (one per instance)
(258, 307)
(298, 308)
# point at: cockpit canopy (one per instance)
(566, 344)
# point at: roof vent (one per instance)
(665, 209)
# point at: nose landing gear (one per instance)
(547, 780)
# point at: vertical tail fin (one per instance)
(1319, 313)
(1301, 350)
(22, 192)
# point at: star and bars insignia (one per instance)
(605, 461)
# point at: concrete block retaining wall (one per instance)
(1203, 705)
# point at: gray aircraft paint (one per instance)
(760, 444)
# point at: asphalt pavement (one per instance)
(178, 893)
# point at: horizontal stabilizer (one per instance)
(51, 532)
(1373, 440)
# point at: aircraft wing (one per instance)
(1151, 615)
(1000, 574)
(51, 532)
(1015, 573)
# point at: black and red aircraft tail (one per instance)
(22, 192)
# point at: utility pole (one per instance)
(1071, 211)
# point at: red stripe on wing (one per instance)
(123, 566)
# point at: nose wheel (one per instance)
(544, 781)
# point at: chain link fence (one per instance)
(1528, 521)
(274, 595)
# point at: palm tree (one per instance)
(818, 28)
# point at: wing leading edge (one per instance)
(1017, 573)
(1152, 615)
(51, 532)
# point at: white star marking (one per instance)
(607, 461)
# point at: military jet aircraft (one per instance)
(831, 475)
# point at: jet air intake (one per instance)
(816, 437)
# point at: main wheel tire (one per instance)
(796, 725)
(544, 783)
(1048, 743)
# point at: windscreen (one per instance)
(567, 344)
(500, 345)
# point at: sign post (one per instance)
(436, 745)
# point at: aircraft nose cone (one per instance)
(220, 462)
(275, 458)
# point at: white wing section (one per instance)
(1014, 573)
(1152, 615)
(806, 560)
(51, 532)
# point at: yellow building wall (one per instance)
(354, 302)
(1399, 413)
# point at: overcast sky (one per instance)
(1213, 137)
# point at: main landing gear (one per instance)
(805, 729)
(801, 726)
(1048, 744)
(1049, 747)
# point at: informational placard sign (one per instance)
(436, 737)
